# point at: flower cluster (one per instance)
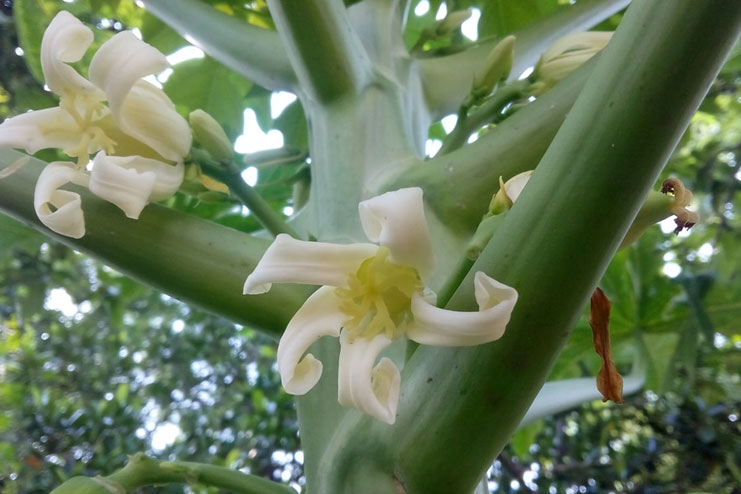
(138, 140)
(372, 294)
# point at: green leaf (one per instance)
(292, 123)
(206, 84)
(525, 437)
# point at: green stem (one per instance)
(232, 177)
(326, 56)
(578, 205)
(191, 259)
(514, 146)
(556, 242)
(447, 80)
(467, 123)
(251, 51)
(142, 471)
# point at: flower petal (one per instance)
(514, 186)
(319, 316)
(131, 182)
(288, 260)
(397, 220)
(372, 389)
(113, 180)
(441, 327)
(67, 218)
(40, 129)
(65, 41)
(141, 110)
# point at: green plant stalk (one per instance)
(578, 205)
(515, 145)
(142, 471)
(327, 59)
(467, 123)
(229, 174)
(254, 52)
(447, 80)
(191, 259)
(553, 246)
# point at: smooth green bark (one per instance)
(327, 58)
(565, 227)
(189, 258)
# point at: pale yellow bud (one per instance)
(566, 55)
(212, 137)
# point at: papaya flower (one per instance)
(371, 295)
(138, 138)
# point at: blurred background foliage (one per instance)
(94, 366)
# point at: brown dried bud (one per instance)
(609, 380)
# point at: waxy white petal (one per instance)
(319, 316)
(112, 180)
(441, 327)
(397, 220)
(365, 385)
(141, 110)
(67, 218)
(288, 260)
(514, 186)
(40, 129)
(65, 41)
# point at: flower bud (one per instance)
(566, 55)
(212, 137)
(508, 192)
(496, 68)
(452, 21)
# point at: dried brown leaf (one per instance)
(609, 380)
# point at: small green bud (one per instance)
(508, 192)
(452, 22)
(88, 485)
(566, 55)
(496, 68)
(212, 137)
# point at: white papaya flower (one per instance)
(137, 138)
(372, 294)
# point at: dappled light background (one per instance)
(95, 367)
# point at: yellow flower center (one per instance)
(378, 297)
(85, 111)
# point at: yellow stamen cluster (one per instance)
(86, 111)
(378, 297)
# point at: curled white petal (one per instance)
(397, 220)
(319, 316)
(288, 260)
(65, 41)
(113, 180)
(40, 129)
(66, 218)
(440, 327)
(141, 110)
(365, 385)
(514, 186)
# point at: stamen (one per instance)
(378, 297)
